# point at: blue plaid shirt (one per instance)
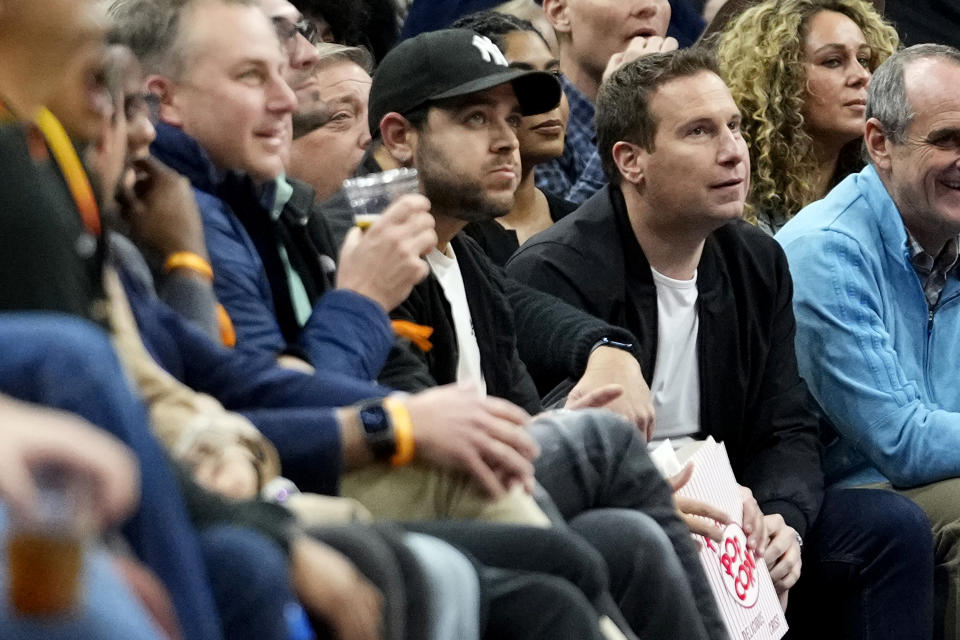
(578, 173)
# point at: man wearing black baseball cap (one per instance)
(460, 82)
(447, 103)
(448, 64)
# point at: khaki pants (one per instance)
(418, 492)
(941, 502)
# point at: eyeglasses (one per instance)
(287, 31)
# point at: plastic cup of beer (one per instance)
(45, 547)
(369, 195)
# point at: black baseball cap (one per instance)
(447, 64)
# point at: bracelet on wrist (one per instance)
(405, 446)
(190, 261)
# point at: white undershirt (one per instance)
(676, 375)
(447, 271)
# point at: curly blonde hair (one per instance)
(761, 59)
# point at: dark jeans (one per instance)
(535, 606)
(535, 583)
(250, 583)
(867, 570)
(596, 469)
(68, 363)
(380, 552)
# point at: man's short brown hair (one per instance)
(623, 103)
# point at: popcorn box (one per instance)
(740, 583)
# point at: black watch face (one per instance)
(374, 419)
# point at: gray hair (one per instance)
(332, 53)
(151, 29)
(887, 96)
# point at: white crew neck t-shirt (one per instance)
(447, 271)
(676, 373)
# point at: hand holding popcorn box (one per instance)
(740, 582)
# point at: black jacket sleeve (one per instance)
(554, 338)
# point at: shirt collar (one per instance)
(924, 263)
(282, 194)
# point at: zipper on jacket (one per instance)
(926, 348)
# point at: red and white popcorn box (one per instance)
(740, 582)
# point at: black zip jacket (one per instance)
(751, 396)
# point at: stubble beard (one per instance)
(453, 194)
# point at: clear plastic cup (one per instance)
(45, 547)
(369, 195)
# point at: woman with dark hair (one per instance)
(541, 138)
(803, 97)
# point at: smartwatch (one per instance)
(378, 430)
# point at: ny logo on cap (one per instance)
(489, 51)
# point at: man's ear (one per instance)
(399, 138)
(631, 161)
(877, 143)
(165, 90)
(558, 13)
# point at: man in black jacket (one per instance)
(662, 251)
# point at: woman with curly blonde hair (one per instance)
(799, 71)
